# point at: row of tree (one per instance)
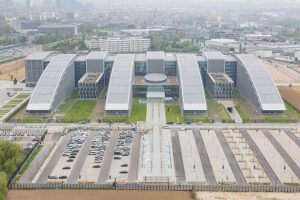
(10, 158)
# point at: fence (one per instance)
(221, 188)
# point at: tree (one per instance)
(3, 185)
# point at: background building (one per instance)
(223, 45)
(58, 29)
(121, 45)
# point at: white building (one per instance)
(121, 45)
(264, 53)
(223, 45)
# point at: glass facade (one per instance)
(90, 90)
(170, 68)
(80, 70)
(219, 90)
(107, 73)
(203, 69)
(230, 70)
(140, 68)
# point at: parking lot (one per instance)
(185, 155)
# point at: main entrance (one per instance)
(155, 92)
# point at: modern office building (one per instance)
(54, 86)
(35, 64)
(183, 76)
(121, 45)
(58, 29)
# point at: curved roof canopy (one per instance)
(193, 96)
(119, 90)
(266, 90)
(45, 90)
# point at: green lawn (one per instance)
(80, 111)
(9, 106)
(15, 101)
(68, 103)
(276, 119)
(138, 111)
(115, 118)
(173, 113)
(290, 110)
(196, 118)
(4, 111)
(242, 113)
(215, 110)
(29, 161)
(22, 96)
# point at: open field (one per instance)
(95, 194)
(291, 95)
(280, 77)
(16, 69)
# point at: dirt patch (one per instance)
(11, 70)
(246, 196)
(291, 95)
(96, 194)
(280, 77)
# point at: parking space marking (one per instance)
(261, 159)
(207, 168)
(293, 137)
(134, 159)
(54, 159)
(287, 158)
(237, 172)
(74, 175)
(108, 157)
(178, 161)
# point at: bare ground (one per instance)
(11, 70)
(279, 76)
(246, 196)
(96, 194)
(291, 95)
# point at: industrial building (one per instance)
(159, 74)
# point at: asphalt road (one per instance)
(108, 157)
(177, 155)
(286, 157)
(236, 170)
(134, 159)
(36, 163)
(293, 137)
(54, 159)
(74, 175)
(261, 159)
(207, 168)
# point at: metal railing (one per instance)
(134, 186)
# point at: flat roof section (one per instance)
(220, 78)
(267, 93)
(96, 55)
(193, 96)
(91, 78)
(213, 55)
(119, 89)
(155, 55)
(45, 90)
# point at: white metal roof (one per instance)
(41, 55)
(266, 91)
(193, 96)
(119, 89)
(155, 55)
(45, 90)
(213, 55)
